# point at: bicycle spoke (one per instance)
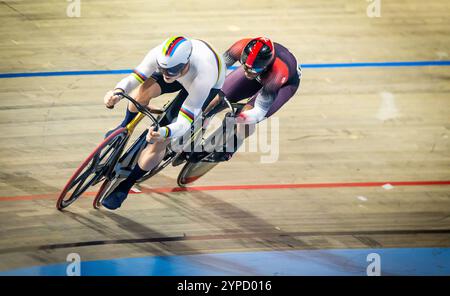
(99, 166)
(81, 176)
(110, 147)
(93, 163)
(85, 187)
(80, 180)
(74, 194)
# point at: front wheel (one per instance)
(93, 169)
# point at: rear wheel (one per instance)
(101, 193)
(93, 169)
(213, 136)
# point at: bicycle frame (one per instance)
(125, 162)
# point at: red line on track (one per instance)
(241, 187)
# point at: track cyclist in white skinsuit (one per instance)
(188, 66)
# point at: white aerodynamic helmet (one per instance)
(174, 55)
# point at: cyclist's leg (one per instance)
(237, 87)
(210, 102)
(246, 130)
(153, 154)
(284, 95)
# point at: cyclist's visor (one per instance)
(252, 70)
(172, 71)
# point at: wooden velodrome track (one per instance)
(346, 125)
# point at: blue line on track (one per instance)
(393, 261)
(330, 65)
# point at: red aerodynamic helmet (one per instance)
(258, 54)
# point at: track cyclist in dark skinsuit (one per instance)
(269, 75)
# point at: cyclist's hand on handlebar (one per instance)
(111, 98)
(153, 136)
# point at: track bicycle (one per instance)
(111, 161)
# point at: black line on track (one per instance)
(220, 236)
(15, 10)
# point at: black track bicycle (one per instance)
(112, 160)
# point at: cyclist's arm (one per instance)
(271, 86)
(263, 102)
(233, 54)
(140, 73)
(191, 108)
